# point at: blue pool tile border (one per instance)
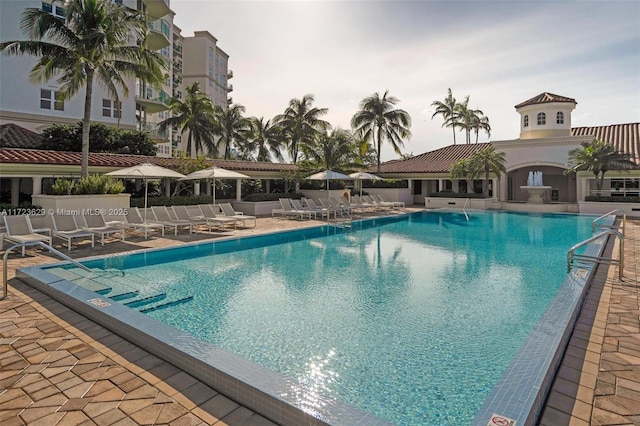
(521, 391)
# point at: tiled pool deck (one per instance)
(57, 367)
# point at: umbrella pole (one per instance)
(146, 191)
(214, 194)
(360, 183)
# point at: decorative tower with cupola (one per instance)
(545, 116)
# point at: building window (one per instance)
(559, 117)
(542, 119)
(525, 121)
(51, 98)
(53, 9)
(111, 108)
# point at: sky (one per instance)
(499, 53)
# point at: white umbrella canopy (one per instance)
(329, 175)
(146, 171)
(213, 173)
(360, 176)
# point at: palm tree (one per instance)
(468, 119)
(599, 157)
(268, 139)
(301, 123)
(461, 169)
(92, 44)
(335, 149)
(448, 111)
(487, 161)
(230, 126)
(480, 122)
(194, 116)
(379, 120)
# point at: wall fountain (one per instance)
(535, 188)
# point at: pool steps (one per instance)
(146, 300)
(114, 286)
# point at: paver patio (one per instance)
(57, 367)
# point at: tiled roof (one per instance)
(438, 161)
(39, 156)
(544, 98)
(14, 136)
(624, 137)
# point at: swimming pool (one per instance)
(412, 319)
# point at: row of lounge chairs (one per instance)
(306, 208)
(24, 229)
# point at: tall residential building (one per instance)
(35, 106)
(204, 62)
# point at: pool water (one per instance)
(412, 319)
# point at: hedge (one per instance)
(605, 199)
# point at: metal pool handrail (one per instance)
(464, 209)
(5, 261)
(594, 224)
(572, 256)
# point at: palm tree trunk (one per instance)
(454, 134)
(189, 150)
(379, 146)
(86, 125)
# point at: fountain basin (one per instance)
(535, 193)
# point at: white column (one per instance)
(238, 189)
(15, 191)
(196, 188)
(208, 186)
(167, 188)
(441, 185)
(455, 185)
(37, 185)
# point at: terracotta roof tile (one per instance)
(438, 161)
(39, 156)
(14, 136)
(624, 137)
(544, 98)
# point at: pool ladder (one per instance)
(573, 257)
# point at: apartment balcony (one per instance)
(177, 65)
(177, 49)
(229, 88)
(229, 101)
(158, 35)
(157, 8)
(177, 80)
(152, 104)
(229, 74)
(158, 136)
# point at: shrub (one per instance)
(270, 197)
(606, 199)
(445, 194)
(387, 183)
(93, 184)
(186, 200)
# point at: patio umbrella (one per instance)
(329, 175)
(360, 176)
(213, 173)
(146, 171)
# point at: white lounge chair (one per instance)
(162, 215)
(18, 230)
(95, 223)
(65, 227)
(288, 210)
(133, 220)
(227, 211)
(210, 213)
(297, 206)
